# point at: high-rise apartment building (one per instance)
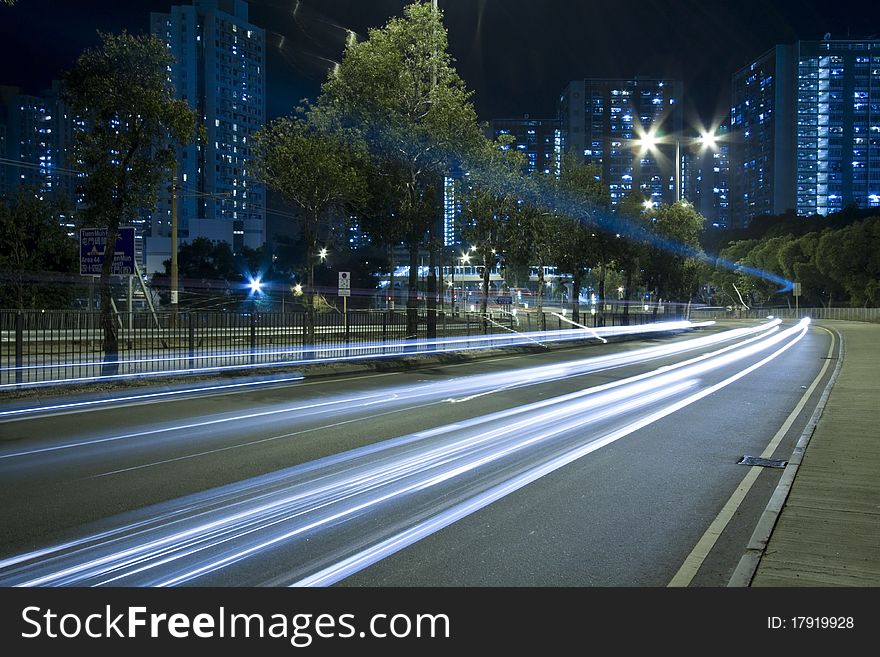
(706, 177)
(539, 141)
(36, 135)
(3, 163)
(805, 128)
(220, 70)
(602, 121)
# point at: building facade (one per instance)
(539, 141)
(602, 121)
(36, 138)
(220, 70)
(706, 178)
(805, 128)
(3, 163)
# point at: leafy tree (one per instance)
(836, 264)
(491, 200)
(399, 90)
(797, 258)
(205, 269)
(133, 125)
(633, 248)
(671, 268)
(580, 202)
(318, 170)
(35, 252)
(849, 257)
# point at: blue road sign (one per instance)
(504, 301)
(92, 245)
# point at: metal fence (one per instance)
(44, 346)
(848, 314)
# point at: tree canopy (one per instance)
(398, 90)
(133, 124)
(39, 261)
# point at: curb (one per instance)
(757, 545)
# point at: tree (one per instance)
(580, 201)
(34, 251)
(133, 125)
(491, 200)
(317, 169)
(671, 268)
(797, 258)
(849, 257)
(632, 249)
(206, 270)
(399, 90)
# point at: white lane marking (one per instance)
(371, 555)
(698, 555)
(261, 440)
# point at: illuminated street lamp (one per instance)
(465, 259)
(650, 141)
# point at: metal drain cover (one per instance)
(764, 463)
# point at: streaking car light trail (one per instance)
(329, 353)
(384, 496)
(383, 549)
(458, 389)
(573, 368)
(471, 386)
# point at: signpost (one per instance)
(796, 293)
(345, 292)
(92, 247)
(344, 284)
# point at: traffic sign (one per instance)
(796, 291)
(92, 245)
(344, 284)
(504, 301)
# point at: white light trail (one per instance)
(470, 387)
(440, 475)
(328, 353)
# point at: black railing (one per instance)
(69, 345)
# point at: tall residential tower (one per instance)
(220, 70)
(603, 120)
(805, 128)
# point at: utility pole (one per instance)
(174, 249)
(677, 169)
(431, 292)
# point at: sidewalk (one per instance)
(828, 531)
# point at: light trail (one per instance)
(456, 389)
(581, 366)
(324, 354)
(382, 497)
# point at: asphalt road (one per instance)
(601, 465)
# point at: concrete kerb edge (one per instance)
(757, 545)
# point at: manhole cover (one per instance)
(764, 463)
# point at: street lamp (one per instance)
(650, 141)
(465, 258)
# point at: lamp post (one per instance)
(452, 298)
(465, 260)
(650, 142)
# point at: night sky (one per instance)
(516, 55)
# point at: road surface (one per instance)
(602, 465)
